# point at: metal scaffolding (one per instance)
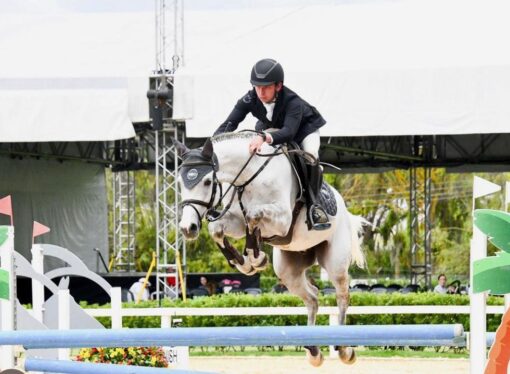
(169, 38)
(123, 221)
(420, 226)
(170, 246)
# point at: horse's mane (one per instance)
(232, 136)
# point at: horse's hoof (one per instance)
(315, 361)
(252, 272)
(263, 266)
(347, 355)
(245, 268)
(260, 263)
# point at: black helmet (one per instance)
(266, 72)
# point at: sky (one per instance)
(63, 6)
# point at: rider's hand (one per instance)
(256, 144)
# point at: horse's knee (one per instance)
(217, 231)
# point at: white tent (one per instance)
(371, 68)
(74, 76)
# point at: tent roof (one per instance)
(371, 67)
(412, 67)
(74, 76)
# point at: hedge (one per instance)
(282, 300)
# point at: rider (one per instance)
(277, 107)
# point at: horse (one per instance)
(259, 196)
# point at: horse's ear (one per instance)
(207, 150)
(181, 148)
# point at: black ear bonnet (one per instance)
(195, 167)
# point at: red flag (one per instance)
(39, 229)
(6, 207)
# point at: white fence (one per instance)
(166, 314)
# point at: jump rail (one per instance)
(369, 335)
(74, 367)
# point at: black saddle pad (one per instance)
(327, 199)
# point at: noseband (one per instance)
(216, 185)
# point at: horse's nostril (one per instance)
(193, 227)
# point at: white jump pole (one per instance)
(64, 319)
(37, 287)
(507, 200)
(8, 306)
(478, 316)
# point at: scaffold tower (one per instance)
(170, 246)
(420, 226)
(123, 221)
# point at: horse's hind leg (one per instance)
(336, 264)
(341, 282)
(291, 267)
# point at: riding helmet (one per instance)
(266, 72)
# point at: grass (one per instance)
(428, 352)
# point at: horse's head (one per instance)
(198, 186)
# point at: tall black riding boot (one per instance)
(317, 215)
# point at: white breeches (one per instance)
(312, 143)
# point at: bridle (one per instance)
(211, 213)
(209, 205)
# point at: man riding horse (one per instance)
(293, 120)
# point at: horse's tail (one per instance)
(357, 256)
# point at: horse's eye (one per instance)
(207, 182)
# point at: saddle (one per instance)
(326, 196)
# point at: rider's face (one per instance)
(267, 94)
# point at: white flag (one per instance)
(482, 187)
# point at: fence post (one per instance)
(333, 321)
(477, 317)
(37, 287)
(116, 295)
(64, 319)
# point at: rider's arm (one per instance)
(238, 114)
(291, 123)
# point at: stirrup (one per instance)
(318, 218)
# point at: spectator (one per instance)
(441, 284)
(206, 285)
(135, 289)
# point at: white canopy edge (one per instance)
(74, 77)
(412, 67)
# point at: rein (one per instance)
(239, 189)
(211, 213)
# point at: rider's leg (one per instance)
(316, 213)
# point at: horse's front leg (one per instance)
(232, 226)
(258, 259)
